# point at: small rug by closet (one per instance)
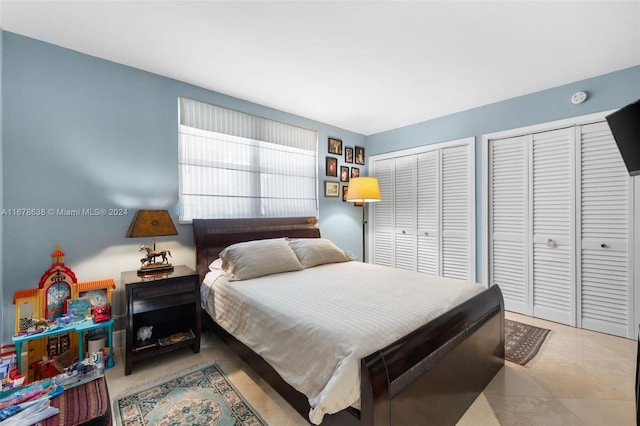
(523, 343)
(201, 397)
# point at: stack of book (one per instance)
(29, 404)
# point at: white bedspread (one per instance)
(313, 326)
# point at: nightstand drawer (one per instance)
(160, 290)
(145, 305)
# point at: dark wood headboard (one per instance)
(213, 235)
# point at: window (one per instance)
(237, 165)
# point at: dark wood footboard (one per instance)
(434, 374)
(430, 376)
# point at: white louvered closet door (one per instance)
(431, 209)
(552, 212)
(456, 212)
(404, 185)
(382, 213)
(604, 232)
(560, 227)
(429, 256)
(508, 221)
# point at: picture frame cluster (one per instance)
(352, 157)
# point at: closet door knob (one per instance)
(603, 245)
(551, 243)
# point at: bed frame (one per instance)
(430, 376)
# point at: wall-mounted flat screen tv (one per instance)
(625, 127)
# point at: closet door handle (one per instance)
(551, 243)
(603, 245)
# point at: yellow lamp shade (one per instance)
(363, 190)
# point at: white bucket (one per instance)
(95, 344)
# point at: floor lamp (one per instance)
(363, 190)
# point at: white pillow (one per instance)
(252, 259)
(317, 251)
(216, 265)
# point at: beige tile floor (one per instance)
(581, 378)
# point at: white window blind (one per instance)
(237, 165)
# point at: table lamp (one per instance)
(152, 223)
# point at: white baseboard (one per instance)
(119, 339)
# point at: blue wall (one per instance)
(84, 133)
(606, 92)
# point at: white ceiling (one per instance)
(366, 66)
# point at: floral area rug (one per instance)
(523, 343)
(202, 397)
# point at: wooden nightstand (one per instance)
(170, 302)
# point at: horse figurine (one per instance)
(150, 258)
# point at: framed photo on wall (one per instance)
(345, 191)
(332, 166)
(359, 155)
(348, 154)
(344, 174)
(335, 146)
(355, 172)
(331, 189)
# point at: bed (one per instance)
(430, 375)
